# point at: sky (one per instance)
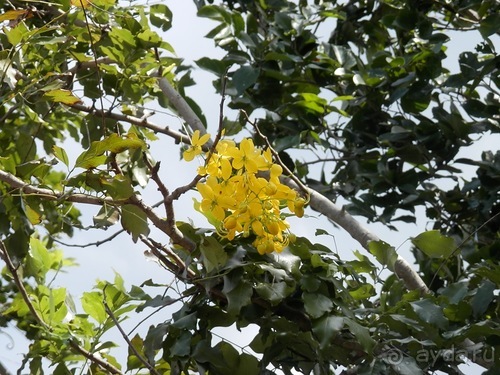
(126, 258)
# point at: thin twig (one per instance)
(4, 254)
(125, 337)
(97, 243)
(141, 122)
(91, 357)
(153, 169)
(276, 156)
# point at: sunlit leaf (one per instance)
(107, 216)
(61, 154)
(13, 14)
(81, 3)
(61, 96)
(92, 304)
(434, 244)
(384, 253)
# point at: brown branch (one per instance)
(141, 122)
(167, 226)
(4, 254)
(321, 204)
(52, 195)
(91, 357)
(96, 243)
(178, 267)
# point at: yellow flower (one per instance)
(246, 157)
(241, 201)
(196, 145)
(214, 200)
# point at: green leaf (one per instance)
(287, 142)
(61, 96)
(116, 144)
(215, 66)
(430, 313)
(489, 25)
(92, 305)
(182, 345)
(237, 290)
(161, 16)
(94, 156)
(61, 154)
(107, 216)
(248, 365)
(316, 304)
(434, 244)
(244, 77)
(39, 260)
(362, 334)
(133, 362)
(119, 187)
(364, 292)
(91, 158)
(34, 216)
(482, 298)
(274, 292)
(384, 253)
(134, 221)
(214, 255)
(455, 292)
(327, 327)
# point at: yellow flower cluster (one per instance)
(239, 199)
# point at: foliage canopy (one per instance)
(359, 90)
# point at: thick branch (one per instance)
(183, 108)
(320, 203)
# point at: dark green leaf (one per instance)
(430, 313)
(482, 298)
(244, 78)
(327, 327)
(362, 334)
(317, 305)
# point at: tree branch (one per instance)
(52, 195)
(148, 365)
(141, 122)
(320, 203)
(166, 226)
(91, 357)
(182, 107)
